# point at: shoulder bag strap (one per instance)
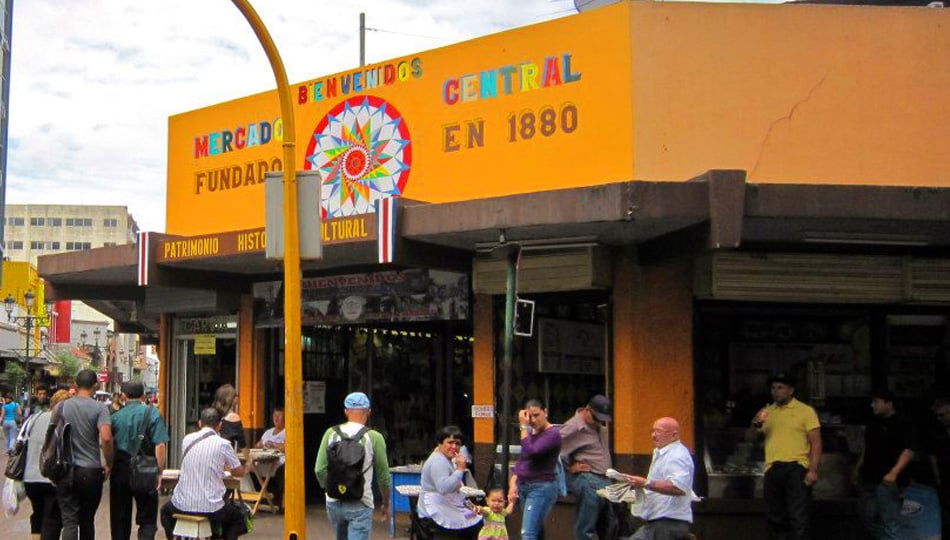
(190, 446)
(142, 430)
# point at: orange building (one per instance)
(698, 195)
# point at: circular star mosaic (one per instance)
(361, 147)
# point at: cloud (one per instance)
(93, 84)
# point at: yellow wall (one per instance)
(585, 104)
(483, 365)
(790, 93)
(653, 351)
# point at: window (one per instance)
(52, 245)
(37, 221)
(110, 222)
(36, 244)
(71, 246)
(16, 244)
(55, 222)
(87, 222)
(79, 222)
(108, 244)
(16, 221)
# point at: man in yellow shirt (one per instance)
(792, 451)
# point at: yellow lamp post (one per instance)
(295, 526)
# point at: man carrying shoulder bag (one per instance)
(140, 437)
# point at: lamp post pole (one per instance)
(295, 525)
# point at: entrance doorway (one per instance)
(196, 377)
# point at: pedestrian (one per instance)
(495, 514)
(534, 479)
(232, 427)
(890, 444)
(667, 488)
(45, 522)
(352, 519)
(200, 489)
(80, 493)
(940, 450)
(127, 427)
(586, 453)
(792, 452)
(11, 420)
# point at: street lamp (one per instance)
(28, 322)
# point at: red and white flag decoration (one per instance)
(143, 259)
(386, 228)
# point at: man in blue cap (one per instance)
(350, 456)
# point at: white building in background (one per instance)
(39, 229)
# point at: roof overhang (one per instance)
(717, 210)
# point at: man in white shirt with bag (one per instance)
(200, 489)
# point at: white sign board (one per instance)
(483, 411)
(314, 397)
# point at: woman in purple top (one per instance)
(534, 479)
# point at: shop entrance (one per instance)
(201, 363)
(418, 376)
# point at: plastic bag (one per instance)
(11, 497)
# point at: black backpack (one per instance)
(345, 466)
(56, 461)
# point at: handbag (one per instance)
(16, 465)
(143, 469)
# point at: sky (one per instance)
(93, 82)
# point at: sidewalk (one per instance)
(267, 526)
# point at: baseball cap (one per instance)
(601, 407)
(784, 378)
(356, 400)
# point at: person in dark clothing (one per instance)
(80, 493)
(940, 450)
(890, 444)
(126, 427)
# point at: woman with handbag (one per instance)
(45, 521)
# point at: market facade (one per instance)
(697, 195)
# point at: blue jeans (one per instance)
(537, 499)
(11, 430)
(584, 487)
(881, 505)
(351, 520)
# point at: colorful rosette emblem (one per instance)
(361, 148)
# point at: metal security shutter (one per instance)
(822, 278)
(550, 270)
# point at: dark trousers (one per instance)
(229, 518)
(788, 502)
(79, 495)
(120, 506)
(45, 519)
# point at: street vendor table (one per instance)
(405, 475)
(266, 463)
(170, 480)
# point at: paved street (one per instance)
(266, 525)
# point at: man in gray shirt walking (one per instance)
(80, 492)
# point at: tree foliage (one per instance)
(70, 364)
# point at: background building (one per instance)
(39, 229)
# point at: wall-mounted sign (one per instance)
(403, 295)
(483, 411)
(314, 397)
(205, 344)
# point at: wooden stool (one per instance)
(188, 526)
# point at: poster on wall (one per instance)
(314, 397)
(394, 296)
